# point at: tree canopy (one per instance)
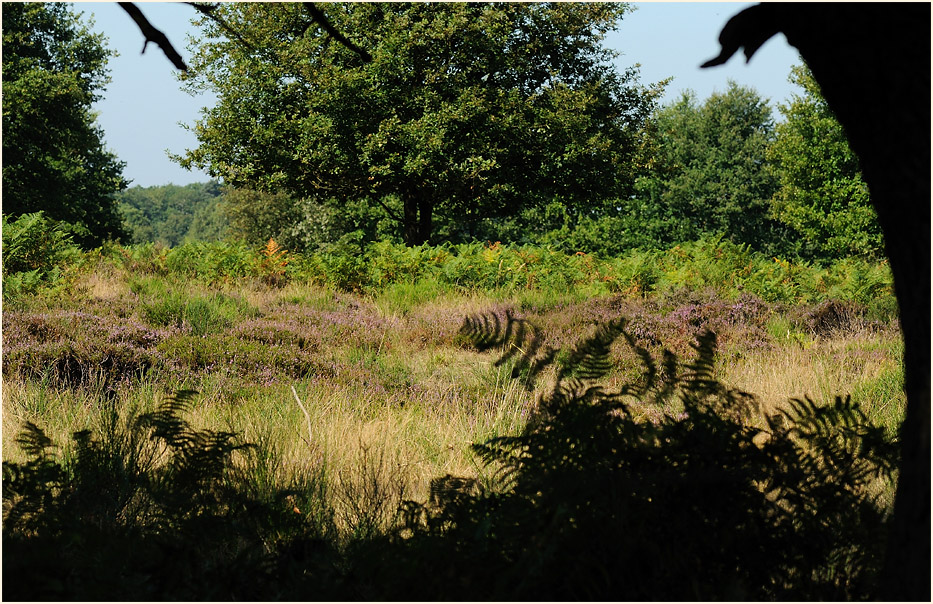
(710, 174)
(54, 159)
(173, 214)
(466, 113)
(822, 194)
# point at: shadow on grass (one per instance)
(707, 499)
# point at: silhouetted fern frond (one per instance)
(589, 359)
(122, 517)
(841, 444)
(702, 389)
(648, 501)
(700, 374)
(518, 338)
(33, 441)
(166, 422)
(503, 453)
(193, 479)
(31, 489)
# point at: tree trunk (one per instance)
(425, 220)
(872, 62)
(410, 217)
(881, 94)
(418, 216)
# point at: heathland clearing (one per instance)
(383, 372)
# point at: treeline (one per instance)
(522, 131)
(719, 168)
(171, 214)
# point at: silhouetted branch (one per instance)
(153, 35)
(207, 9)
(318, 16)
(748, 29)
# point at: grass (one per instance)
(395, 396)
(387, 372)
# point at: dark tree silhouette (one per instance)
(153, 35)
(872, 62)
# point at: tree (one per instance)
(871, 64)
(822, 194)
(173, 214)
(710, 175)
(466, 112)
(54, 159)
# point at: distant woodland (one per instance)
(171, 214)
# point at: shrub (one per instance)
(708, 500)
(345, 263)
(834, 316)
(35, 251)
(77, 349)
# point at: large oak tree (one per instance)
(465, 112)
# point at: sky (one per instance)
(144, 109)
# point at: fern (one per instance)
(193, 480)
(33, 441)
(273, 251)
(519, 340)
(712, 502)
(153, 508)
(31, 489)
(274, 261)
(589, 360)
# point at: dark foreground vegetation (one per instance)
(707, 501)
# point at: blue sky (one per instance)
(143, 106)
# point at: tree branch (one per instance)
(390, 212)
(748, 29)
(318, 16)
(153, 35)
(207, 9)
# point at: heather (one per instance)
(308, 426)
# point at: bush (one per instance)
(35, 252)
(671, 488)
(76, 349)
(346, 263)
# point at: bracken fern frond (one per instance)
(519, 340)
(699, 504)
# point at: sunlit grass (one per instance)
(392, 392)
(867, 366)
